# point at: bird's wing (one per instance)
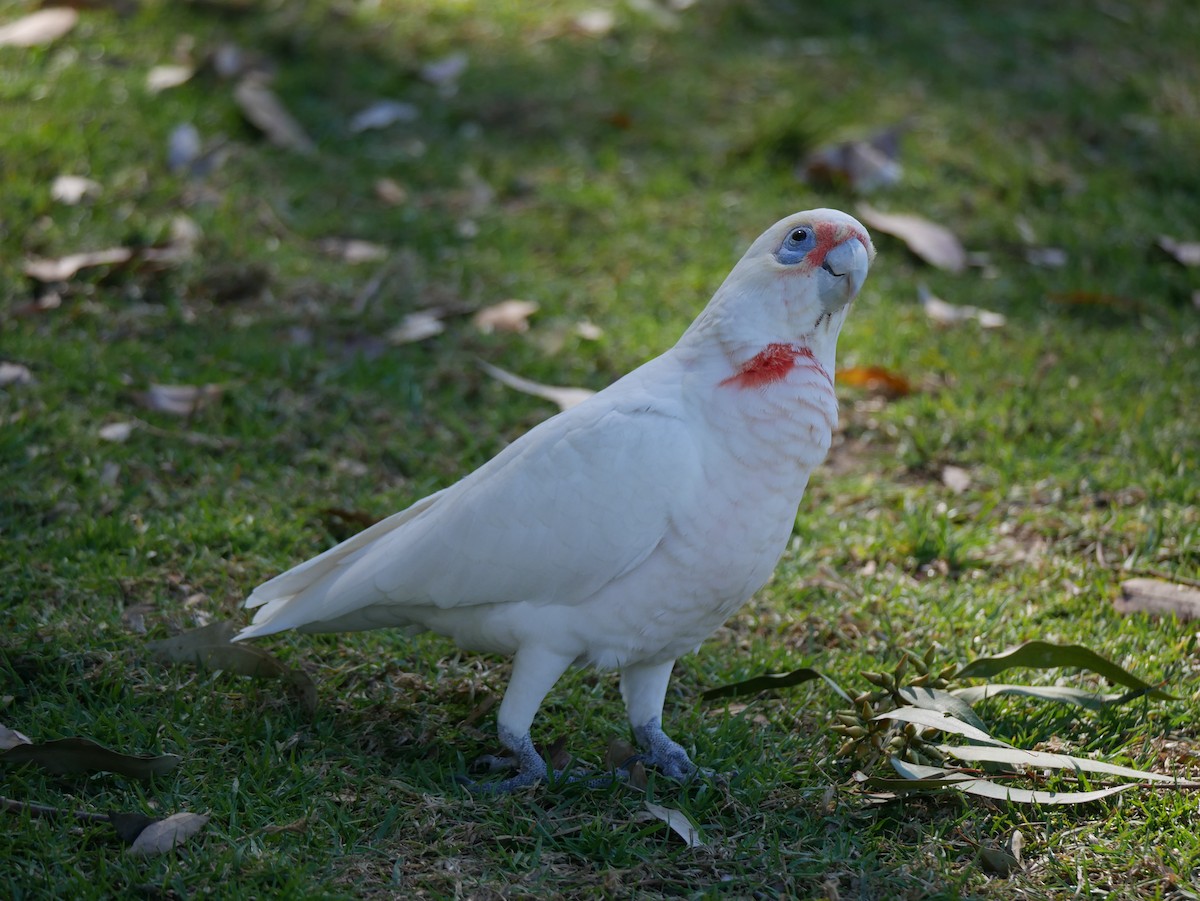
(575, 503)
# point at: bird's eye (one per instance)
(799, 241)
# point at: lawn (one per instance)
(609, 162)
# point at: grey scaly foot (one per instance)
(531, 768)
(665, 755)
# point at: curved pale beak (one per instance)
(844, 271)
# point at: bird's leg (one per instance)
(644, 689)
(535, 671)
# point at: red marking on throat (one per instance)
(773, 364)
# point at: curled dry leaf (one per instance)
(417, 326)
(117, 432)
(38, 28)
(163, 835)
(506, 316)
(81, 755)
(63, 268)
(679, 823)
(10, 738)
(944, 313)
(211, 648)
(383, 113)
(876, 380)
(566, 398)
(14, 374)
(266, 112)
(71, 189)
(163, 78)
(1186, 253)
(178, 400)
(1158, 597)
(352, 250)
(933, 243)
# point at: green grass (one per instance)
(629, 172)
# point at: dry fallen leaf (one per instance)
(266, 112)
(956, 478)
(82, 755)
(70, 189)
(391, 191)
(63, 268)
(38, 28)
(933, 243)
(1158, 597)
(595, 23)
(1186, 253)
(178, 400)
(163, 78)
(566, 398)
(876, 379)
(163, 835)
(117, 432)
(862, 165)
(353, 250)
(14, 374)
(678, 821)
(944, 313)
(506, 316)
(417, 326)
(588, 331)
(383, 113)
(10, 738)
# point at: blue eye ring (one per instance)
(795, 247)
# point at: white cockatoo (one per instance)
(623, 532)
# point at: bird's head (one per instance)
(793, 286)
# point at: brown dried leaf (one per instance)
(38, 28)
(876, 379)
(1186, 253)
(178, 400)
(353, 250)
(298, 826)
(63, 268)
(506, 316)
(1095, 299)
(933, 243)
(71, 189)
(861, 165)
(566, 398)
(163, 835)
(266, 112)
(1158, 597)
